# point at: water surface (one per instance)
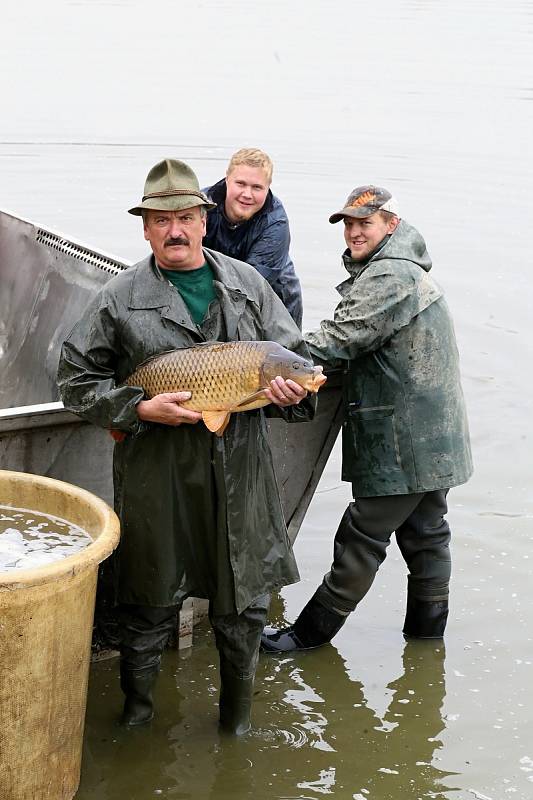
(31, 539)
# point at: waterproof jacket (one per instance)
(200, 514)
(262, 241)
(405, 428)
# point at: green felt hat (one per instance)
(171, 186)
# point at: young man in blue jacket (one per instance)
(250, 223)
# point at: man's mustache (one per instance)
(177, 240)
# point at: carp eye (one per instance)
(295, 365)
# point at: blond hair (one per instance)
(251, 157)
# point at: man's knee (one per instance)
(144, 632)
(238, 636)
(378, 517)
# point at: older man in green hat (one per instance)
(200, 514)
(405, 435)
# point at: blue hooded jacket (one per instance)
(262, 241)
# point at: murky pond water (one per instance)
(31, 539)
(435, 101)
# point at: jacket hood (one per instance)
(405, 244)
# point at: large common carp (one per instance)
(224, 377)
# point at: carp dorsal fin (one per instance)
(216, 421)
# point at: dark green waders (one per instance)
(237, 638)
(361, 541)
(145, 631)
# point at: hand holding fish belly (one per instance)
(211, 381)
(166, 409)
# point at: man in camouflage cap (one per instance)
(195, 519)
(405, 434)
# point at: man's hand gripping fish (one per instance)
(224, 377)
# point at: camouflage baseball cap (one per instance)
(365, 201)
(171, 186)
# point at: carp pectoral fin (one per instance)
(216, 421)
(255, 400)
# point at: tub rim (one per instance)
(85, 559)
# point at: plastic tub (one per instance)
(46, 616)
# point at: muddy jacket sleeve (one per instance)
(88, 367)
(377, 305)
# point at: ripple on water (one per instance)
(294, 737)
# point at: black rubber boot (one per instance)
(425, 619)
(137, 685)
(315, 626)
(235, 703)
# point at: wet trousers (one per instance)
(144, 631)
(361, 541)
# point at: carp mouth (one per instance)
(316, 380)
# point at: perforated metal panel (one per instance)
(78, 252)
(46, 281)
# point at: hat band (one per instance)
(170, 192)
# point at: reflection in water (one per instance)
(314, 732)
(364, 754)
